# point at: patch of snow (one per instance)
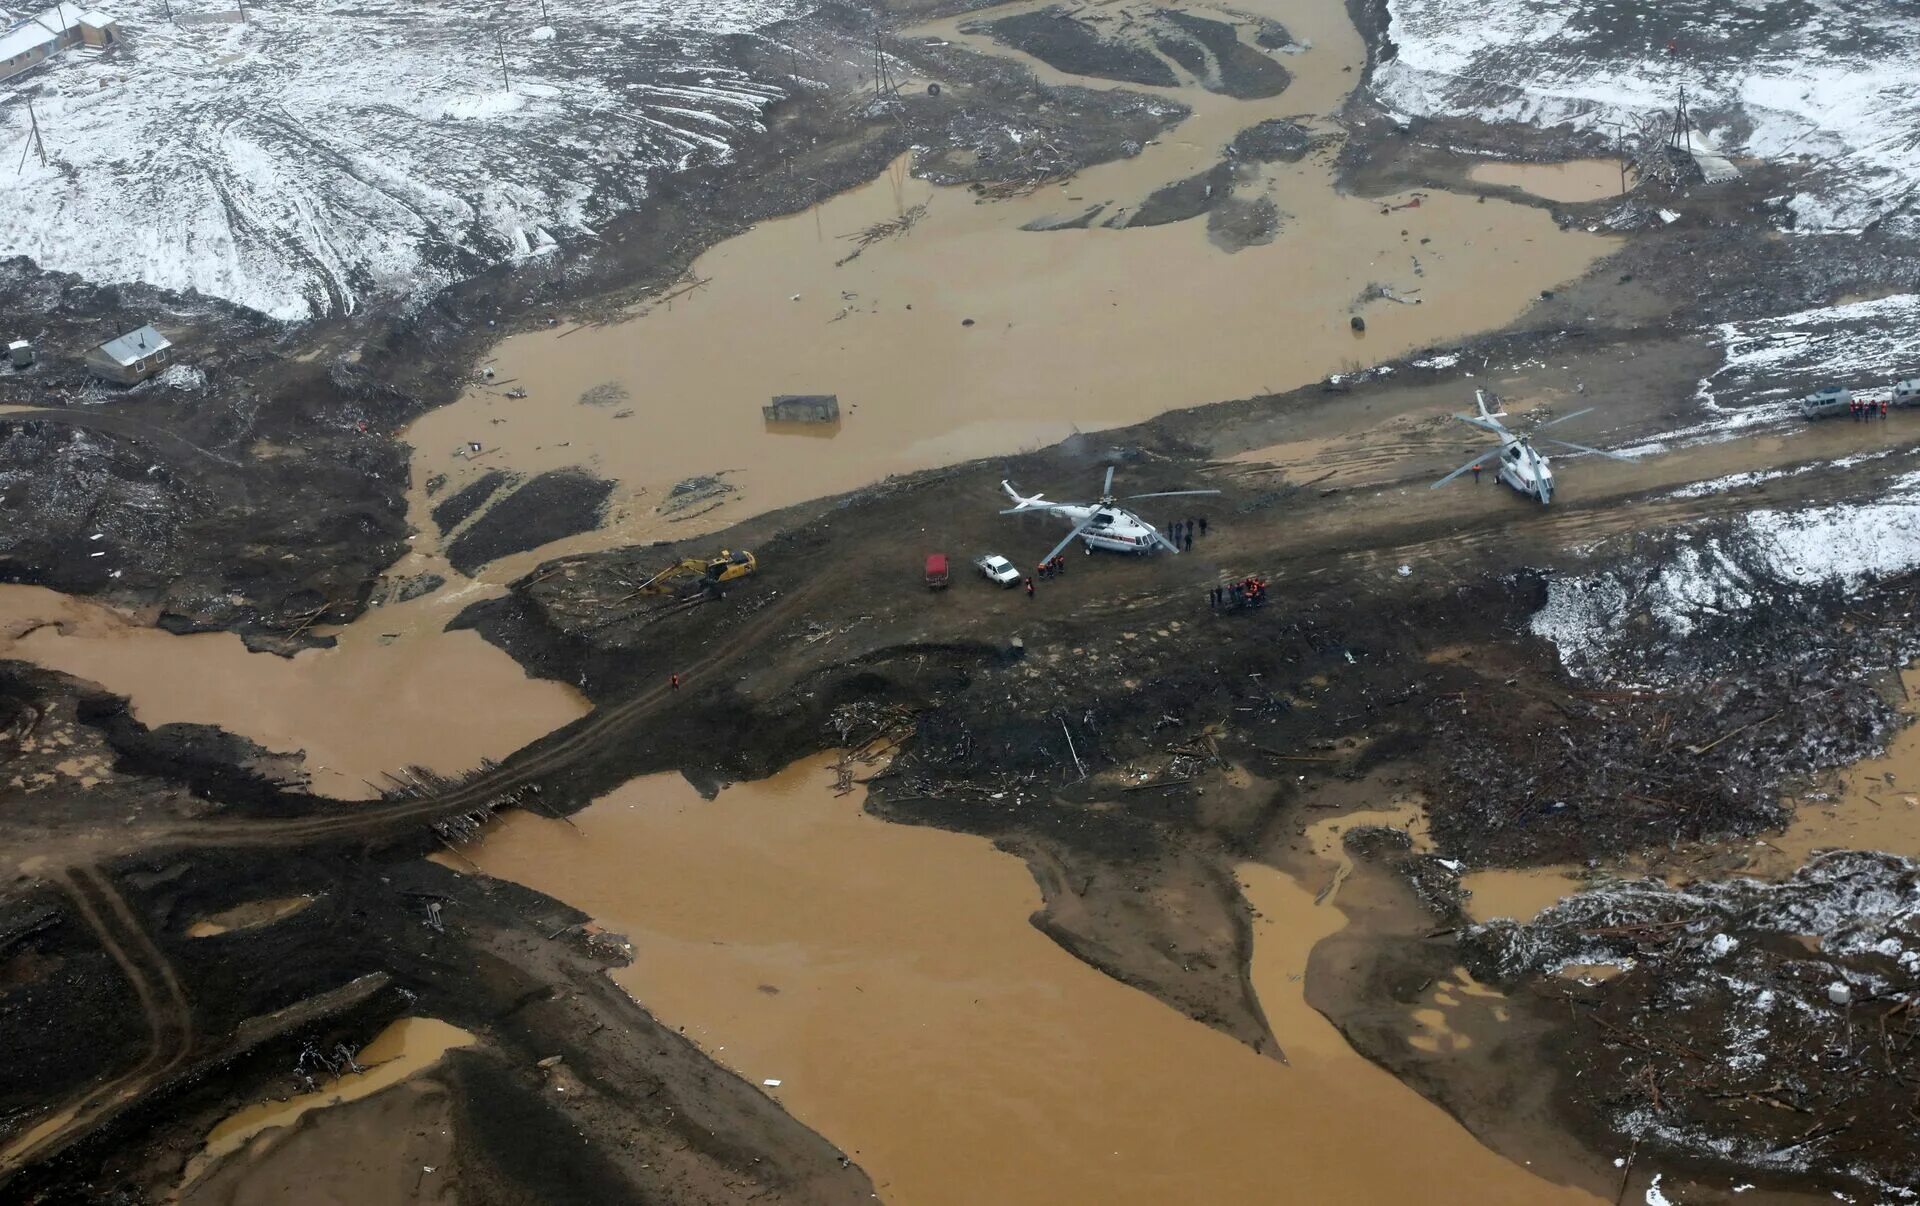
(314, 156)
(1654, 1196)
(183, 377)
(1445, 360)
(1802, 80)
(482, 105)
(1860, 344)
(1756, 555)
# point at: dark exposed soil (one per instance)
(459, 507)
(1184, 199)
(1275, 140)
(1065, 44)
(553, 506)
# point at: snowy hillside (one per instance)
(323, 152)
(1828, 82)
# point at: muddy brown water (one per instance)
(967, 336)
(360, 710)
(889, 980)
(1574, 180)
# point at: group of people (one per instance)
(1180, 531)
(1053, 567)
(1250, 591)
(1865, 411)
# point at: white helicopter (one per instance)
(1522, 466)
(1103, 524)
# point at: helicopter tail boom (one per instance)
(1022, 502)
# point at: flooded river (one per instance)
(968, 335)
(366, 708)
(888, 979)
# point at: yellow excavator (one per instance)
(693, 576)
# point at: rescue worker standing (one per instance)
(1029, 585)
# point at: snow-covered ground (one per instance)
(1824, 81)
(1719, 570)
(324, 152)
(1861, 345)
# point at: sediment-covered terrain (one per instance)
(1640, 710)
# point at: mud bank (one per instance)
(883, 983)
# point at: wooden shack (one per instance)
(803, 408)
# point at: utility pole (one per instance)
(38, 143)
(545, 17)
(1620, 150)
(500, 41)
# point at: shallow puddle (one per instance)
(965, 335)
(1573, 181)
(408, 1046)
(889, 980)
(1519, 894)
(1875, 804)
(444, 700)
(248, 916)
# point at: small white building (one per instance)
(131, 358)
(38, 38)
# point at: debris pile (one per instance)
(1771, 1026)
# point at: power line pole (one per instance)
(1620, 150)
(546, 18)
(38, 142)
(500, 41)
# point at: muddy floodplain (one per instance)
(454, 849)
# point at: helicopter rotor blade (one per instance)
(1563, 418)
(1108, 488)
(1583, 448)
(1042, 508)
(1069, 538)
(1489, 454)
(1171, 493)
(1164, 543)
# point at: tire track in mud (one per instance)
(163, 1002)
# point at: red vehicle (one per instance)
(936, 570)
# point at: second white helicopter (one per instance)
(1522, 466)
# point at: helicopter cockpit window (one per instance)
(1102, 520)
